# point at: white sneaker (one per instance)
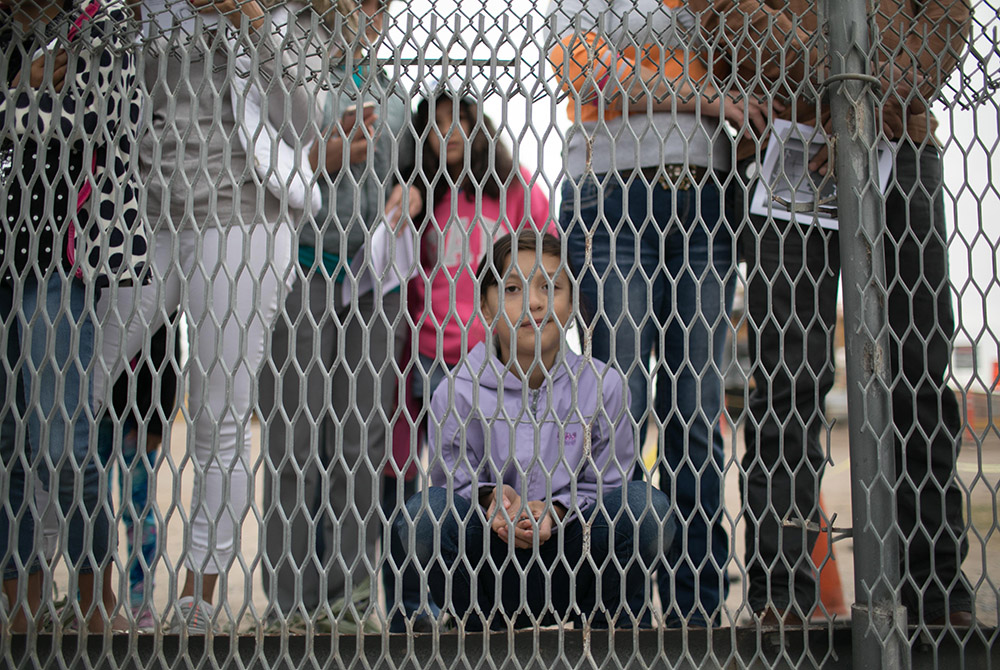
(193, 617)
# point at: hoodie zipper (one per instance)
(534, 402)
(535, 429)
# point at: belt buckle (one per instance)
(675, 177)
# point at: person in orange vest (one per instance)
(643, 215)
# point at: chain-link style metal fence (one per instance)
(361, 318)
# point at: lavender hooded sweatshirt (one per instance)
(566, 442)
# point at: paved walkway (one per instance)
(979, 471)
(979, 475)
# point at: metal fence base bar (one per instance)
(827, 647)
(878, 638)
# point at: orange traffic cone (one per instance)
(831, 592)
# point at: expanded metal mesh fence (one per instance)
(361, 318)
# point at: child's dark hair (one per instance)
(494, 265)
(484, 142)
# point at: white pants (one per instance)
(227, 282)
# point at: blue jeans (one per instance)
(48, 341)
(405, 602)
(135, 473)
(661, 275)
(792, 304)
(408, 605)
(448, 538)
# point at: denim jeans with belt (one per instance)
(449, 538)
(48, 341)
(659, 277)
(794, 271)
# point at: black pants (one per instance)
(793, 272)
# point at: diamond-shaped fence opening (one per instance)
(332, 320)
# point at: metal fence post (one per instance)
(878, 617)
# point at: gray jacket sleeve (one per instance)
(273, 58)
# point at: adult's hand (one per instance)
(822, 161)
(233, 10)
(892, 126)
(333, 156)
(679, 96)
(898, 84)
(738, 109)
(357, 144)
(394, 207)
(36, 72)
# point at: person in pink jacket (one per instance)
(532, 517)
(473, 193)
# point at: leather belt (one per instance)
(672, 175)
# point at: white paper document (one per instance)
(386, 262)
(787, 190)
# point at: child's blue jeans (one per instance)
(483, 581)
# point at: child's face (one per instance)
(454, 151)
(537, 303)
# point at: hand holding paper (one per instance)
(386, 262)
(349, 118)
(36, 71)
(788, 186)
(394, 207)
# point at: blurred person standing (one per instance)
(221, 252)
(70, 227)
(793, 273)
(647, 160)
(332, 389)
(144, 400)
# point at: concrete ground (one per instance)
(978, 470)
(979, 477)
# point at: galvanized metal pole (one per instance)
(878, 619)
